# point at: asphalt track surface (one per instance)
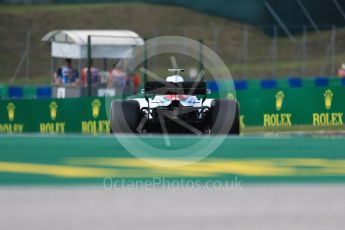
(296, 207)
(272, 182)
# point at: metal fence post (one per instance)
(89, 64)
(333, 46)
(274, 51)
(145, 62)
(245, 52)
(201, 61)
(27, 72)
(304, 50)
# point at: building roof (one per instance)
(104, 43)
(98, 37)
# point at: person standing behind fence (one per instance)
(94, 75)
(117, 79)
(136, 83)
(341, 71)
(66, 74)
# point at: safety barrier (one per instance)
(273, 108)
(214, 86)
(25, 91)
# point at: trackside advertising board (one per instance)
(77, 115)
(289, 107)
(266, 108)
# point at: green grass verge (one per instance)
(150, 20)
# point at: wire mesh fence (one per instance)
(247, 50)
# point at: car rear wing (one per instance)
(181, 88)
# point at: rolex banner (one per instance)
(77, 115)
(265, 108)
(293, 106)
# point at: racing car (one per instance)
(175, 106)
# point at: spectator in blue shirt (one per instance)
(66, 74)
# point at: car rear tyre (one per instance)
(124, 116)
(225, 117)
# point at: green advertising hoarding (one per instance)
(77, 115)
(266, 108)
(294, 106)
